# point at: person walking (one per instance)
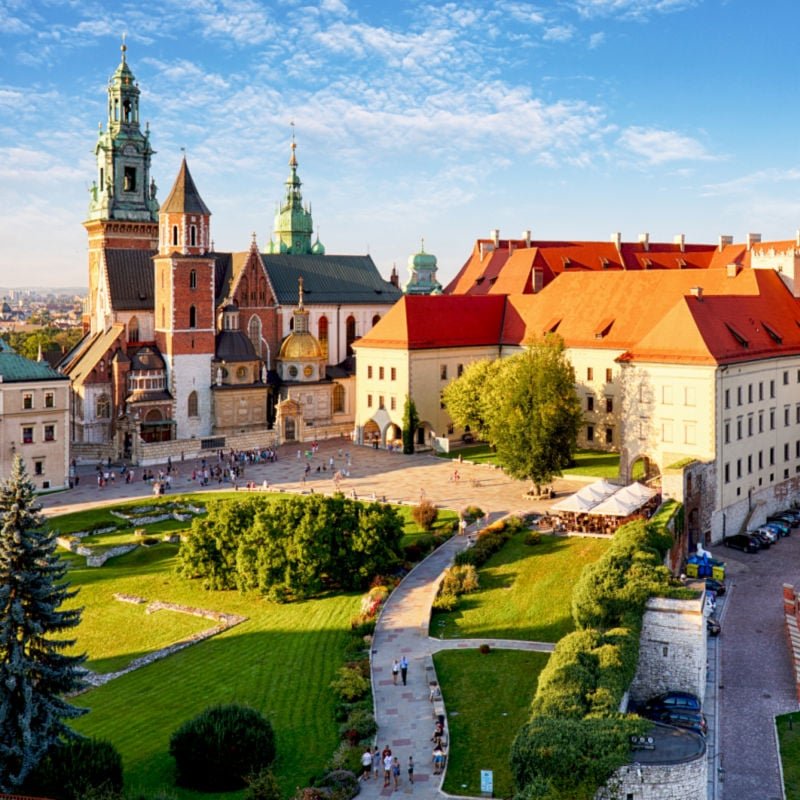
(366, 764)
(376, 761)
(404, 669)
(396, 772)
(387, 769)
(395, 671)
(411, 769)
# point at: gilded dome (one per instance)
(300, 346)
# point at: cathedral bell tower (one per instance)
(184, 304)
(123, 210)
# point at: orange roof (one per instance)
(420, 322)
(505, 268)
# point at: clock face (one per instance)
(308, 371)
(241, 372)
(293, 371)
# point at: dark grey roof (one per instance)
(148, 358)
(223, 271)
(130, 279)
(184, 197)
(148, 396)
(328, 279)
(234, 346)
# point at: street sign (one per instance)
(487, 782)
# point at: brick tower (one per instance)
(123, 210)
(184, 304)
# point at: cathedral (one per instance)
(187, 347)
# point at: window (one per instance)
(133, 329)
(27, 434)
(380, 373)
(369, 401)
(103, 407)
(589, 374)
(749, 392)
(727, 473)
(590, 433)
(786, 378)
(459, 370)
(129, 180)
(38, 467)
(322, 333)
(761, 459)
(49, 433)
(772, 389)
(786, 416)
(443, 372)
(254, 334)
(350, 333)
(191, 405)
(393, 375)
(49, 400)
(797, 414)
(738, 395)
(797, 449)
(393, 403)
(750, 464)
(174, 244)
(193, 275)
(739, 428)
(727, 432)
(786, 451)
(380, 402)
(193, 235)
(192, 317)
(376, 319)
(666, 395)
(750, 425)
(589, 403)
(760, 390)
(738, 467)
(369, 371)
(690, 433)
(772, 419)
(338, 398)
(609, 436)
(609, 405)
(690, 396)
(27, 400)
(727, 398)
(609, 375)
(771, 457)
(441, 401)
(666, 431)
(761, 422)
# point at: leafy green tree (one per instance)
(410, 425)
(465, 398)
(35, 674)
(533, 413)
(27, 343)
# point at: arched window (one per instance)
(126, 110)
(262, 292)
(350, 333)
(254, 333)
(193, 276)
(175, 235)
(133, 329)
(376, 319)
(322, 334)
(193, 235)
(192, 317)
(191, 404)
(338, 398)
(244, 289)
(103, 407)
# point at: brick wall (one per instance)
(791, 610)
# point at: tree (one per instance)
(533, 412)
(410, 423)
(465, 398)
(34, 672)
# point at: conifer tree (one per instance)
(35, 674)
(410, 423)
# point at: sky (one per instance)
(442, 121)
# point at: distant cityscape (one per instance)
(26, 308)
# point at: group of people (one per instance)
(400, 668)
(373, 761)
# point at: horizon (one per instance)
(415, 122)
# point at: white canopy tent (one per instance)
(584, 500)
(624, 502)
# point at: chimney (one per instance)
(526, 235)
(537, 280)
(394, 278)
(617, 239)
(697, 291)
(495, 234)
(733, 270)
(753, 238)
(726, 241)
(480, 249)
(644, 241)
(680, 240)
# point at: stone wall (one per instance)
(672, 649)
(180, 449)
(791, 610)
(681, 781)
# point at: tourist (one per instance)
(366, 764)
(387, 768)
(396, 772)
(395, 671)
(411, 769)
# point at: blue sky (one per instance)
(413, 119)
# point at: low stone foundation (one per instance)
(791, 610)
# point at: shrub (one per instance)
(342, 783)
(345, 756)
(362, 722)
(351, 684)
(471, 513)
(413, 552)
(220, 747)
(425, 514)
(262, 785)
(533, 538)
(445, 602)
(466, 557)
(484, 649)
(362, 625)
(459, 579)
(76, 767)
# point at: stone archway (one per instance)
(372, 433)
(644, 469)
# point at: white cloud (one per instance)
(596, 39)
(334, 7)
(656, 146)
(630, 9)
(558, 33)
(745, 184)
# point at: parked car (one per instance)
(741, 541)
(713, 585)
(672, 700)
(764, 537)
(767, 532)
(682, 718)
(780, 527)
(791, 517)
(713, 627)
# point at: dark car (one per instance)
(781, 527)
(791, 518)
(671, 701)
(764, 539)
(682, 718)
(741, 541)
(713, 585)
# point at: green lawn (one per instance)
(525, 591)
(412, 531)
(789, 737)
(488, 700)
(594, 463)
(479, 453)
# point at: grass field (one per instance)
(488, 700)
(479, 453)
(789, 736)
(525, 592)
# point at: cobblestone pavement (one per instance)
(756, 681)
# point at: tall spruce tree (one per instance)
(410, 423)
(35, 674)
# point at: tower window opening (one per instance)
(126, 111)
(116, 111)
(193, 235)
(102, 179)
(175, 235)
(129, 179)
(193, 276)
(192, 317)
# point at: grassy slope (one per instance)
(790, 753)
(492, 695)
(525, 592)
